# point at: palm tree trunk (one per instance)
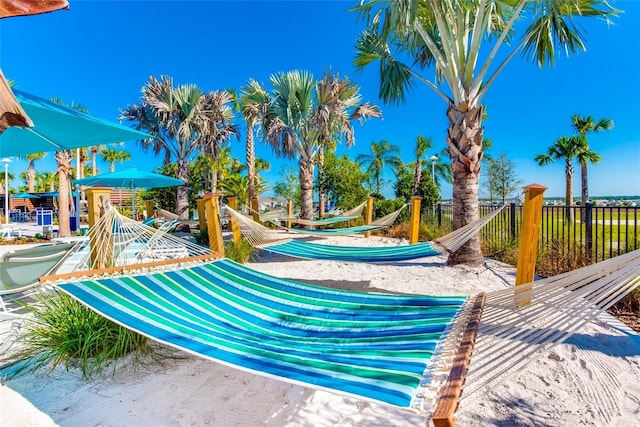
(569, 190)
(251, 161)
(585, 183)
(182, 198)
(306, 186)
(31, 176)
(63, 159)
(465, 149)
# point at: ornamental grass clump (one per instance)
(63, 331)
(240, 251)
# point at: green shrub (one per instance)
(63, 331)
(238, 252)
(201, 238)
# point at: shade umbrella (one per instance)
(59, 128)
(130, 178)
(24, 196)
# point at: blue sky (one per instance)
(101, 53)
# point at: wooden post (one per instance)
(289, 211)
(369, 217)
(255, 209)
(414, 227)
(528, 248)
(232, 201)
(149, 207)
(202, 216)
(100, 243)
(214, 228)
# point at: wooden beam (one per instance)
(232, 201)
(529, 236)
(447, 405)
(214, 227)
(369, 217)
(414, 225)
(126, 268)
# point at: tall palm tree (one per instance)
(383, 154)
(112, 155)
(584, 125)
(565, 148)
(422, 145)
(184, 121)
(254, 100)
(303, 114)
(31, 169)
(463, 43)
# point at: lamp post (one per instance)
(433, 159)
(6, 189)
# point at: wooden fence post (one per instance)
(414, 226)
(289, 211)
(369, 217)
(529, 235)
(588, 229)
(149, 208)
(100, 244)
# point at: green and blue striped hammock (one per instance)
(308, 250)
(372, 346)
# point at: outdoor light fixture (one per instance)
(433, 159)
(6, 162)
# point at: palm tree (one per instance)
(462, 41)
(383, 154)
(422, 145)
(584, 125)
(111, 156)
(184, 121)
(254, 100)
(46, 181)
(31, 169)
(95, 150)
(64, 172)
(566, 148)
(303, 114)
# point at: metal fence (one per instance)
(568, 233)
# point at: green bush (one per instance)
(239, 252)
(63, 331)
(201, 238)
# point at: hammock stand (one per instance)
(264, 238)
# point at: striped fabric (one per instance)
(338, 231)
(373, 346)
(307, 250)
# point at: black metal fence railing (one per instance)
(589, 233)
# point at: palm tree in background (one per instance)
(565, 148)
(64, 172)
(468, 44)
(112, 155)
(3, 186)
(185, 121)
(422, 145)
(31, 169)
(585, 125)
(383, 154)
(253, 102)
(46, 181)
(304, 114)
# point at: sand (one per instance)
(593, 379)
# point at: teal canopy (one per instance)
(59, 128)
(24, 196)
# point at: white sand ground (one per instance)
(593, 379)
